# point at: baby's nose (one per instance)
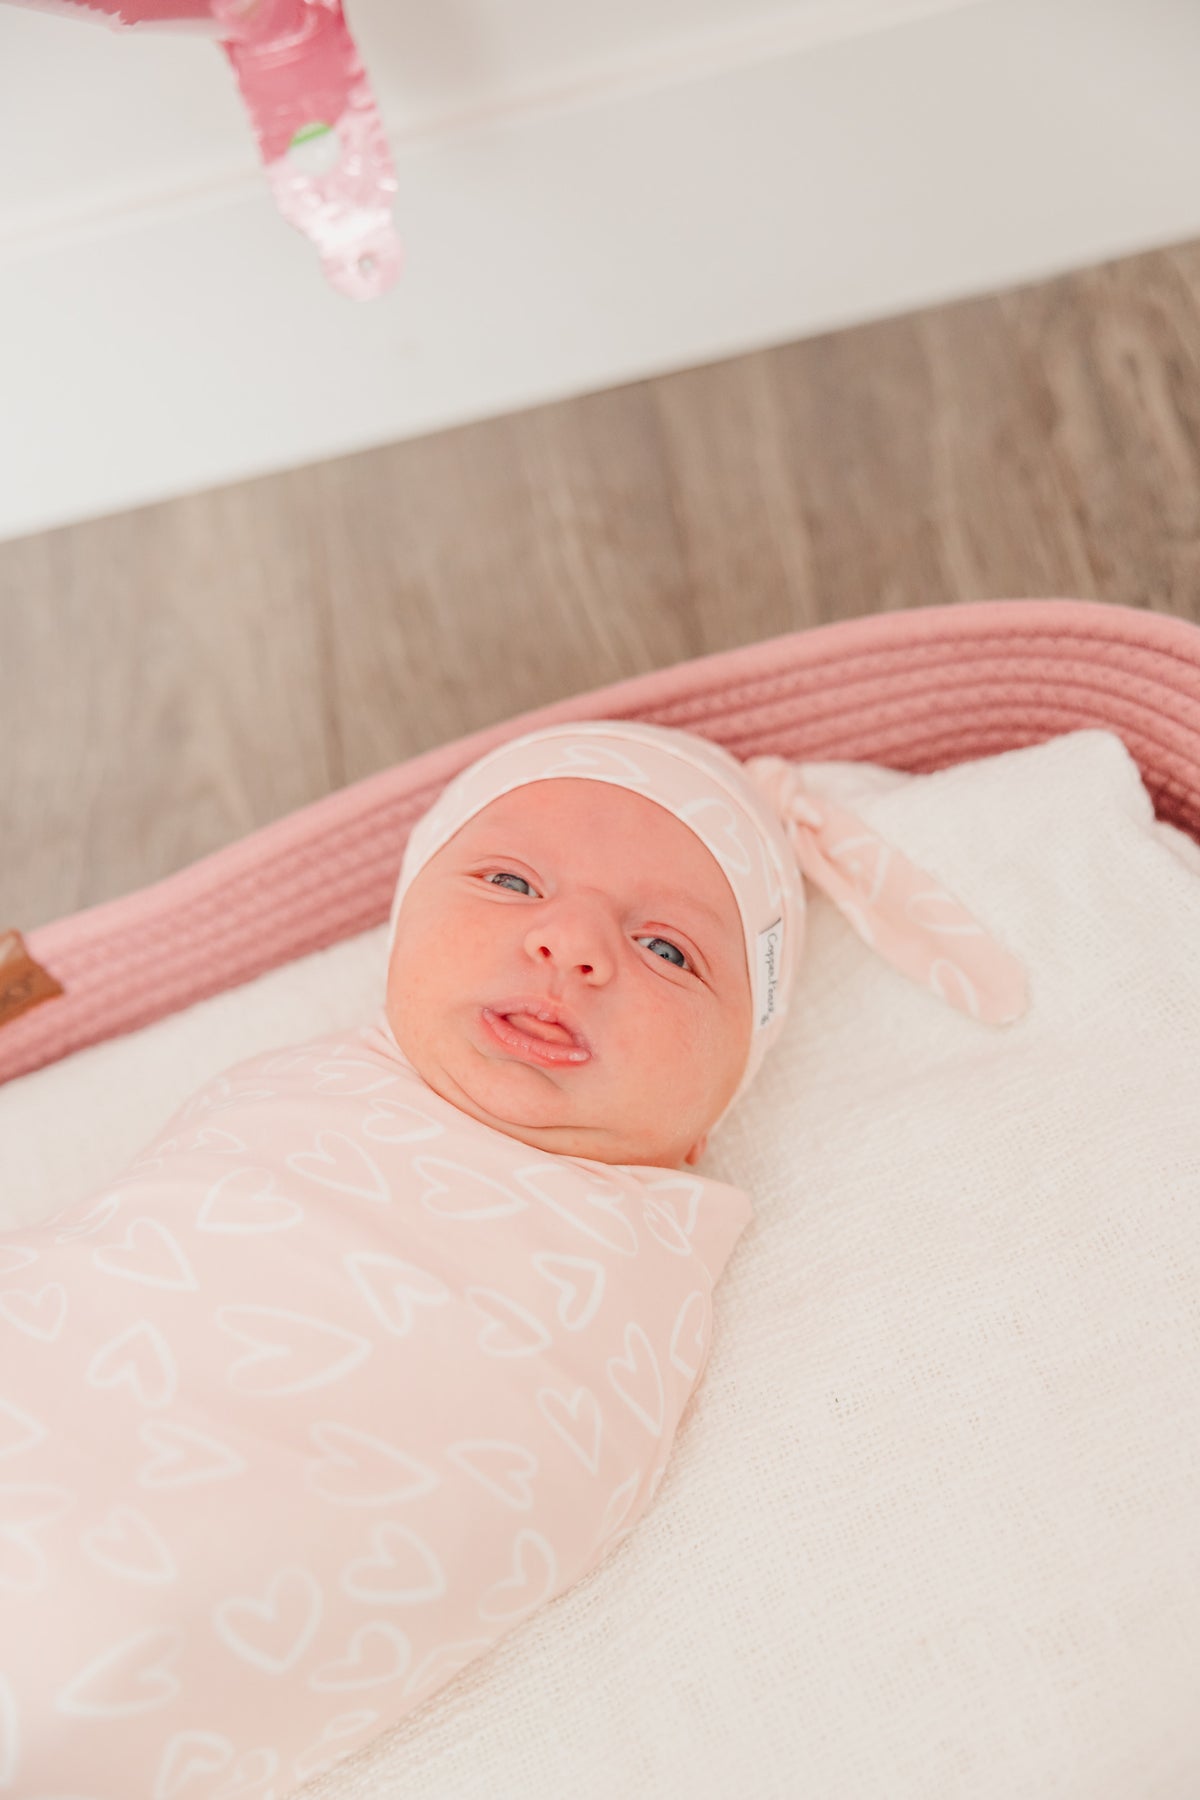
(578, 941)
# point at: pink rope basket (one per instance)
(916, 690)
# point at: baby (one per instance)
(385, 1342)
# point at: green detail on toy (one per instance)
(306, 132)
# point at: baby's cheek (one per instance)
(416, 974)
(713, 1052)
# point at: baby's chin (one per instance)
(510, 1097)
(525, 1103)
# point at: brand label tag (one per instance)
(23, 982)
(770, 963)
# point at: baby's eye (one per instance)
(683, 964)
(505, 875)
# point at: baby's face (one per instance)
(596, 900)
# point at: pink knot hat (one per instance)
(767, 834)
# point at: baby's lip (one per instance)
(542, 1008)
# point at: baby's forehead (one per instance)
(640, 838)
(555, 809)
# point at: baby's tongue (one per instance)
(540, 1028)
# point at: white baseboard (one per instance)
(556, 247)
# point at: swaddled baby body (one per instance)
(384, 1342)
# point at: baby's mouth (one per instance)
(536, 1040)
(540, 1028)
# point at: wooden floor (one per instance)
(176, 676)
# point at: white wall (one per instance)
(588, 195)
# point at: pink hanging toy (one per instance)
(318, 128)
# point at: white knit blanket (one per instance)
(932, 1527)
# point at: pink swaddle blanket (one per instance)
(335, 1387)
